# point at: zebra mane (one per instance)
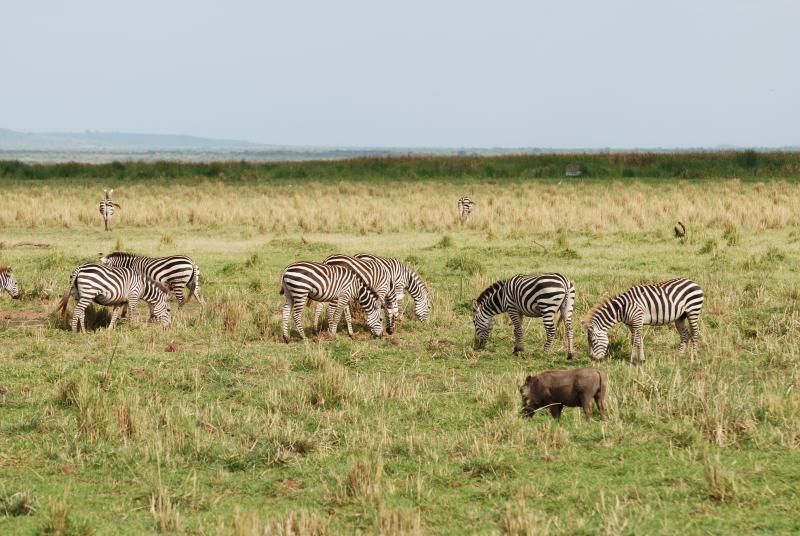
(490, 291)
(591, 312)
(121, 254)
(161, 286)
(5, 269)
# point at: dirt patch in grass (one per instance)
(18, 319)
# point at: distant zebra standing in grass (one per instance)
(9, 283)
(405, 278)
(375, 275)
(676, 300)
(465, 206)
(301, 281)
(526, 295)
(176, 272)
(107, 207)
(116, 287)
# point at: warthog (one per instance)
(555, 389)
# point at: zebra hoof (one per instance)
(517, 351)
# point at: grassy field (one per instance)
(214, 426)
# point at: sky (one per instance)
(559, 74)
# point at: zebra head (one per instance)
(157, 296)
(422, 301)
(9, 283)
(598, 341)
(483, 324)
(373, 306)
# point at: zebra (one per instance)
(106, 208)
(8, 282)
(526, 295)
(326, 283)
(677, 300)
(375, 275)
(465, 206)
(117, 287)
(405, 278)
(176, 272)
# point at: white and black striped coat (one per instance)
(405, 278)
(677, 300)
(9, 283)
(465, 206)
(301, 281)
(526, 295)
(106, 208)
(115, 287)
(176, 272)
(375, 275)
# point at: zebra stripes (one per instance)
(677, 300)
(404, 278)
(9, 283)
(465, 206)
(116, 287)
(176, 272)
(325, 283)
(376, 277)
(523, 295)
(106, 208)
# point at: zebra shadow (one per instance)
(97, 317)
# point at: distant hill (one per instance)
(92, 141)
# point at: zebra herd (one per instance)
(378, 283)
(122, 279)
(677, 300)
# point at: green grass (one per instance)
(216, 427)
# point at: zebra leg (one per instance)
(333, 324)
(297, 314)
(179, 296)
(516, 319)
(550, 331)
(566, 316)
(285, 322)
(317, 314)
(115, 315)
(693, 336)
(636, 338)
(680, 325)
(391, 313)
(348, 318)
(132, 303)
(79, 313)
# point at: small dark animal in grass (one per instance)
(680, 230)
(555, 389)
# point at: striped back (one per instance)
(405, 278)
(9, 283)
(465, 205)
(373, 273)
(655, 304)
(115, 286)
(176, 271)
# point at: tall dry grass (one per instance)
(356, 207)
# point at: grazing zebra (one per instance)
(525, 295)
(117, 287)
(325, 283)
(405, 278)
(9, 283)
(375, 275)
(107, 207)
(676, 300)
(465, 205)
(176, 272)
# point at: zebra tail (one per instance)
(64, 301)
(191, 284)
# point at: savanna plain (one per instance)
(215, 426)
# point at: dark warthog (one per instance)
(555, 389)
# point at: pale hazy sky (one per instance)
(408, 73)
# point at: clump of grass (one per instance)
(731, 234)
(710, 246)
(298, 523)
(399, 522)
(166, 240)
(465, 265)
(721, 482)
(252, 260)
(365, 480)
(164, 512)
(61, 523)
(20, 503)
(519, 519)
(445, 242)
